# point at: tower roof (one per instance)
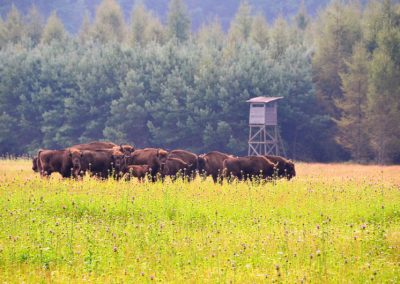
(263, 100)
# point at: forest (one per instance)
(71, 12)
(133, 77)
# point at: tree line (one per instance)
(145, 82)
(71, 12)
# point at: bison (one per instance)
(35, 165)
(138, 171)
(191, 159)
(248, 167)
(212, 164)
(152, 157)
(101, 163)
(283, 167)
(174, 167)
(50, 161)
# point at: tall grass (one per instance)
(332, 223)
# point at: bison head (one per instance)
(76, 159)
(290, 170)
(162, 156)
(119, 161)
(35, 164)
(126, 149)
(202, 163)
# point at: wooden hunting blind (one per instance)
(264, 138)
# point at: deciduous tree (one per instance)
(178, 21)
(352, 125)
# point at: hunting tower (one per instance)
(264, 137)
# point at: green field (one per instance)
(330, 224)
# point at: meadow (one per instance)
(336, 223)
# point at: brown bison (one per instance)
(138, 171)
(174, 167)
(50, 161)
(191, 159)
(283, 167)
(101, 163)
(212, 164)
(35, 166)
(248, 167)
(152, 157)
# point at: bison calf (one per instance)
(174, 167)
(138, 171)
(152, 157)
(188, 157)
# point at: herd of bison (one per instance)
(106, 159)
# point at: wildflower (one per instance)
(318, 252)
(115, 249)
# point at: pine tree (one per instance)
(34, 25)
(384, 86)
(352, 125)
(279, 37)
(8, 134)
(339, 29)
(145, 27)
(302, 19)
(211, 34)
(139, 24)
(14, 28)
(54, 30)
(241, 25)
(84, 31)
(109, 23)
(178, 21)
(371, 24)
(3, 39)
(259, 31)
